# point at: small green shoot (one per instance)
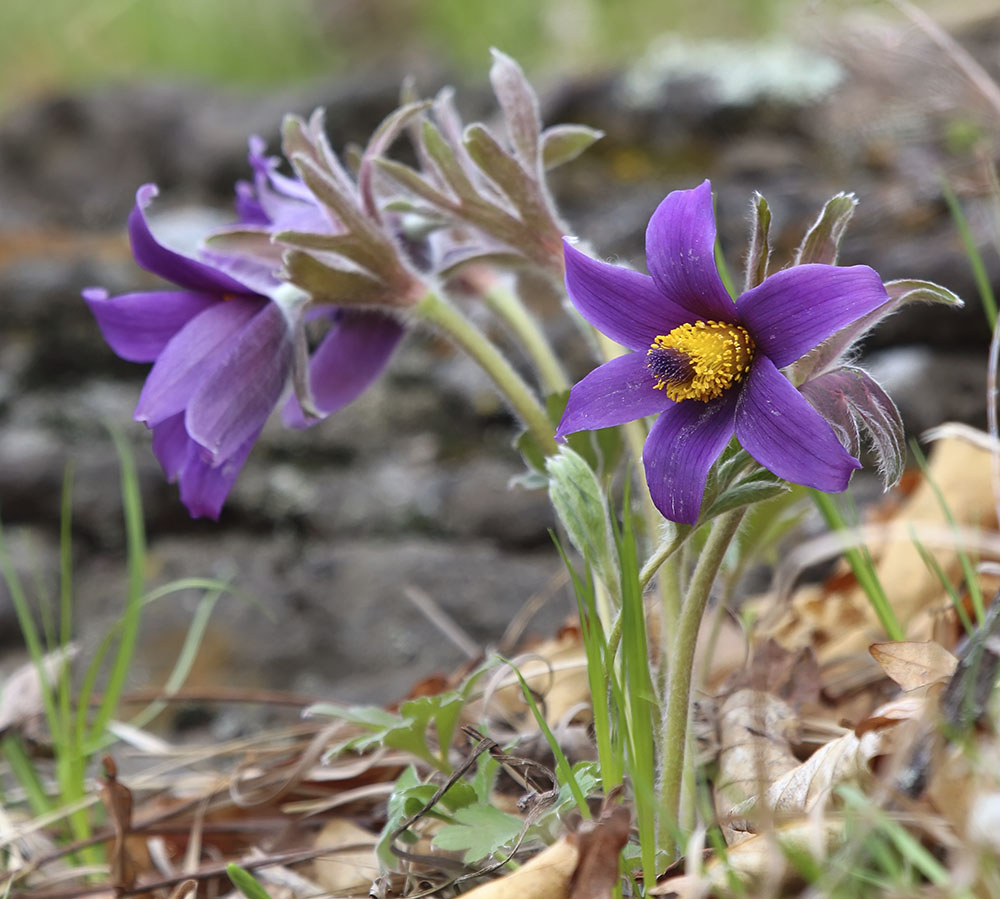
(563, 770)
(245, 882)
(972, 253)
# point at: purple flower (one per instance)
(222, 353)
(358, 342)
(707, 365)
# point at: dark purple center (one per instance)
(669, 365)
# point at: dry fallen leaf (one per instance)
(351, 866)
(847, 758)
(757, 859)
(836, 619)
(546, 876)
(599, 844)
(21, 694)
(914, 665)
(754, 747)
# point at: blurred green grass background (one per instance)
(46, 45)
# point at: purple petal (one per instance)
(204, 488)
(256, 272)
(625, 305)
(618, 391)
(190, 356)
(776, 425)
(157, 259)
(137, 326)
(682, 445)
(238, 395)
(349, 358)
(248, 208)
(680, 254)
(798, 308)
(171, 445)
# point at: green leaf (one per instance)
(822, 240)
(760, 250)
(563, 143)
(245, 882)
(479, 831)
(579, 501)
(746, 493)
(909, 290)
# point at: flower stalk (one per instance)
(508, 306)
(437, 311)
(678, 699)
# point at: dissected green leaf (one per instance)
(479, 830)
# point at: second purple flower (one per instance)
(707, 365)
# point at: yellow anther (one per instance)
(700, 361)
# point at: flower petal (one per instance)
(238, 395)
(776, 425)
(204, 487)
(680, 254)
(796, 309)
(171, 445)
(137, 326)
(618, 391)
(349, 358)
(190, 356)
(156, 258)
(682, 445)
(625, 305)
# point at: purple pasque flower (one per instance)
(711, 367)
(358, 342)
(221, 353)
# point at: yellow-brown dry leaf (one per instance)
(914, 665)
(838, 620)
(546, 876)
(757, 860)
(351, 866)
(754, 747)
(845, 759)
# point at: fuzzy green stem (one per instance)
(678, 699)
(507, 305)
(672, 540)
(436, 310)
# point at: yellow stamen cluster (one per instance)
(700, 361)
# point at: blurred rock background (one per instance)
(407, 491)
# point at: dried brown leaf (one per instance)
(117, 799)
(350, 865)
(914, 665)
(845, 759)
(546, 876)
(599, 844)
(760, 858)
(21, 695)
(755, 729)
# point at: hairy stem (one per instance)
(508, 306)
(436, 310)
(685, 638)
